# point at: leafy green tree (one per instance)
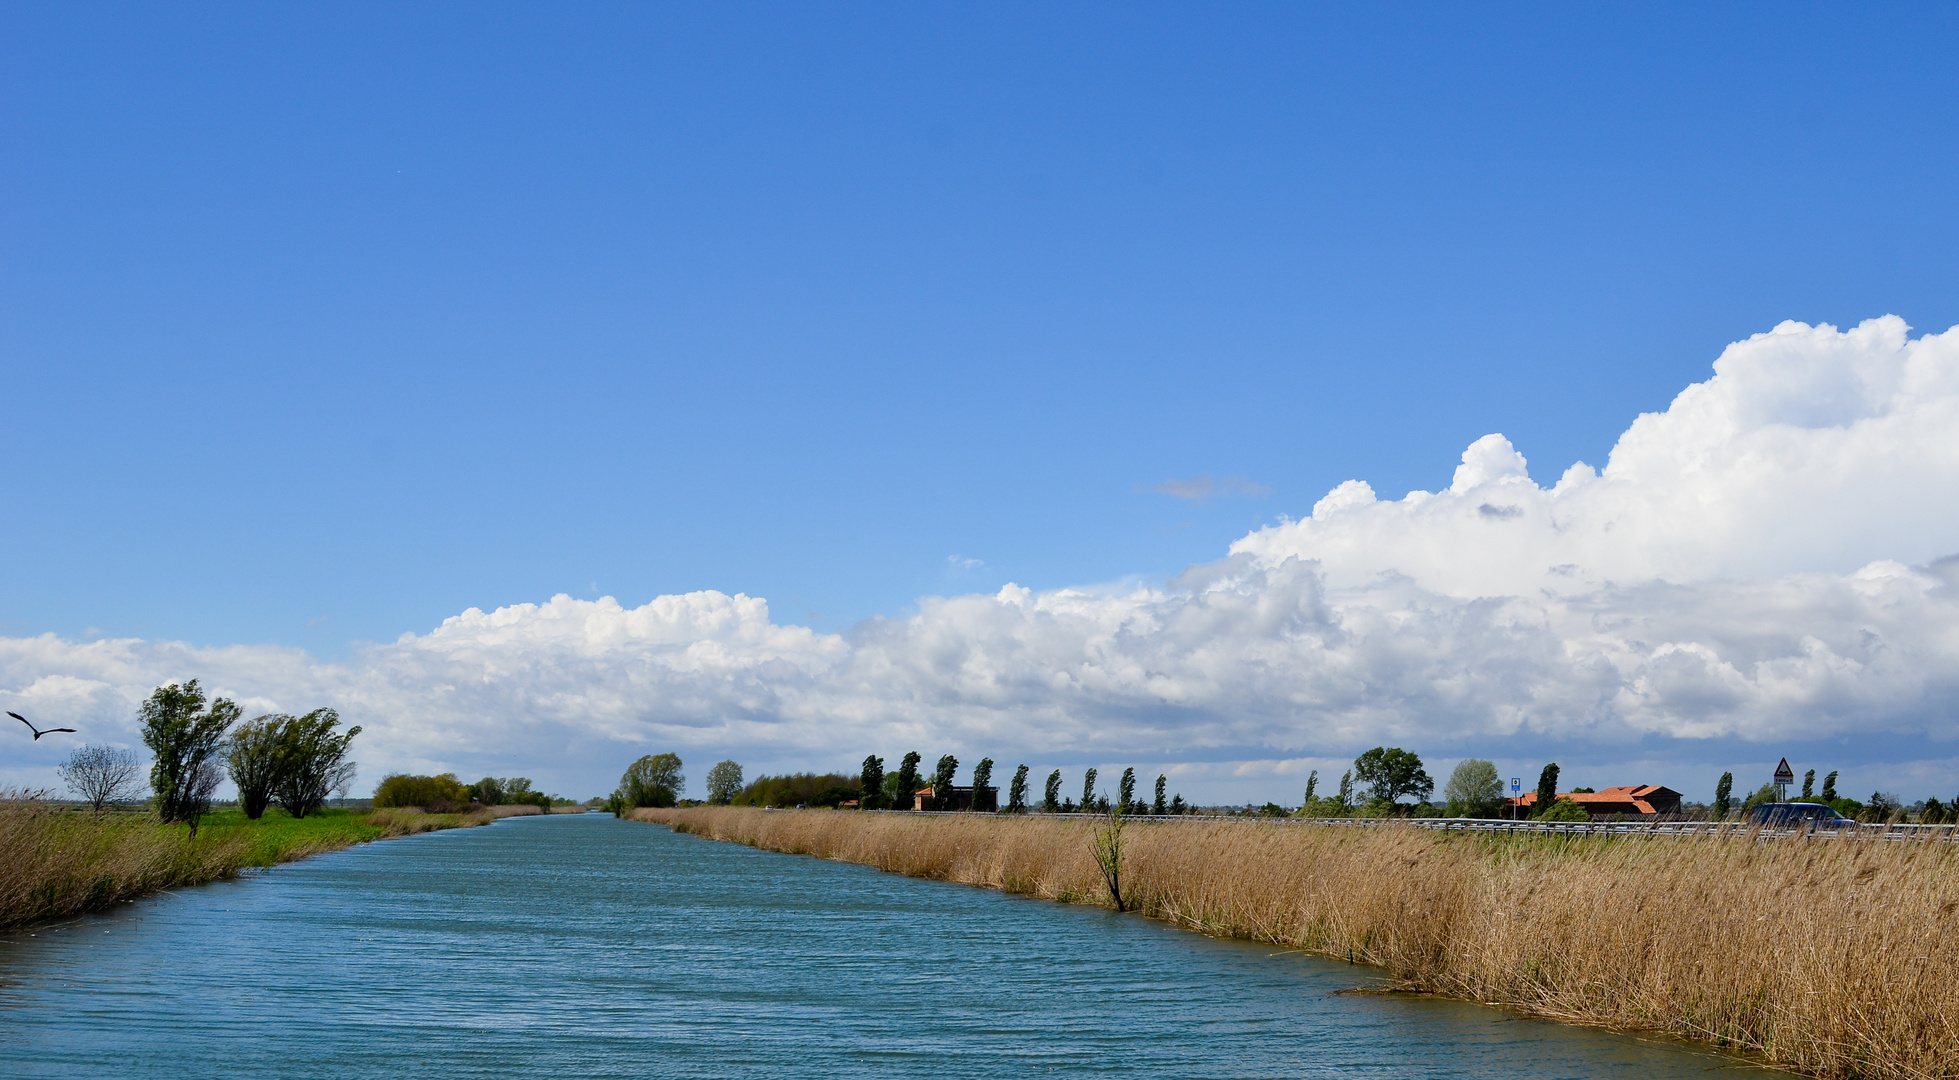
(252, 758)
(186, 739)
(1177, 805)
(983, 799)
(942, 783)
(1883, 807)
(313, 761)
(428, 792)
(907, 780)
(1126, 791)
(653, 780)
(723, 783)
(1474, 790)
(1547, 790)
(1809, 784)
(871, 780)
(488, 791)
(1088, 791)
(1051, 799)
(1830, 787)
(1344, 802)
(1017, 794)
(1392, 772)
(1724, 796)
(1763, 794)
(1563, 810)
(1159, 807)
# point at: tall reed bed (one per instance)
(57, 861)
(1833, 957)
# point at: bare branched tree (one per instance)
(194, 798)
(100, 775)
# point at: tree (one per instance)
(185, 736)
(1393, 772)
(1126, 791)
(942, 783)
(1547, 789)
(100, 775)
(1563, 810)
(1474, 790)
(488, 791)
(1830, 787)
(252, 757)
(1159, 807)
(654, 780)
(1051, 799)
(403, 789)
(907, 781)
(983, 797)
(723, 783)
(871, 781)
(1177, 806)
(1088, 791)
(1724, 796)
(1312, 783)
(1345, 800)
(1883, 807)
(312, 761)
(1017, 793)
(1763, 794)
(1809, 784)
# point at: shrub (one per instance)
(1563, 810)
(404, 789)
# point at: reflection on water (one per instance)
(588, 947)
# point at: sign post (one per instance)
(1784, 776)
(1516, 785)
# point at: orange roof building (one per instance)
(1632, 800)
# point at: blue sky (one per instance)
(321, 325)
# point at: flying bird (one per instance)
(37, 731)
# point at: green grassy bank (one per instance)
(57, 861)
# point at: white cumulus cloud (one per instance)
(1762, 565)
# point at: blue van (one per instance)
(1783, 815)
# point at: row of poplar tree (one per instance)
(898, 791)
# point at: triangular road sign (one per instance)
(1783, 773)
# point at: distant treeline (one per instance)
(444, 793)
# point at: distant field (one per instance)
(57, 861)
(1833, 957)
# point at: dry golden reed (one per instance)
(1834, 957)
(57, 861)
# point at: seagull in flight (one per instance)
(37, 731)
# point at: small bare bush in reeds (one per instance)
(1834, 957)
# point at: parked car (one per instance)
(1783, 815)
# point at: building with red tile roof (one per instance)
(1631, 800)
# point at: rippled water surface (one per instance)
(589, 947)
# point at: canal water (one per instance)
(582, 946)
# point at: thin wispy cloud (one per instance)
(1206, 487)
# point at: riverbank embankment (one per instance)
(57, 860)
(1831, 957)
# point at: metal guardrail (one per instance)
(1856, 830)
